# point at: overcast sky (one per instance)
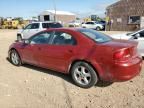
(29, 8)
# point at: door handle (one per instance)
(70, 51)
(39, 48)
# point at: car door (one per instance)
(90, 25)
(26, 30)
(59, 53)
(93, 25)
(140, 40)
(31, 30)
(32, 52)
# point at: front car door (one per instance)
(33, 52)
(90, 25)
(26, 30)
(31, 30)
(140, 41)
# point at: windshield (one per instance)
(96, 36)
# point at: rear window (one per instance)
(96, 36)
(51, 25)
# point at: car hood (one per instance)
(20, 30)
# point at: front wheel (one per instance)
(98, 28)
(84, 75)
(15, 58)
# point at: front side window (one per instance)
(28, 27)
(41, 38)
(94, 35)
(62, 38)
(35, 26)
(89, 23)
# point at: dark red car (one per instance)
(86, 54)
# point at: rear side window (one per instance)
(62, 38)
(51, 25)
(96, 36)
(45, 25)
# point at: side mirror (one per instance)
(26, 42)
(137, 35)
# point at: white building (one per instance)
(62, 16)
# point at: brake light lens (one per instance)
(122, 55)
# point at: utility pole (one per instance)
(55, 11)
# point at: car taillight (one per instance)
(122, 55)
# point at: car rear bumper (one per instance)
(122, 71)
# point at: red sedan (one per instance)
(88, 55)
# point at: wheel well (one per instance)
(70, 67)
(18, 34)
(98, 27)
(12, 49)
(16, 51)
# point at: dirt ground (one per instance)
(32, 87)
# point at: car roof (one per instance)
(91, 21)
(44, 22)
(65, 28)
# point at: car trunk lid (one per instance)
(123, 50)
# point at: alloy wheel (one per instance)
(15, 58)
(82, 75)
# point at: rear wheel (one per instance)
(15, 58)
(98, 28)
(84, 75)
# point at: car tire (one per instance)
(19, 37)
(15, 58)
(84, 75)
(98, 28)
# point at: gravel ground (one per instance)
(32, 87)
